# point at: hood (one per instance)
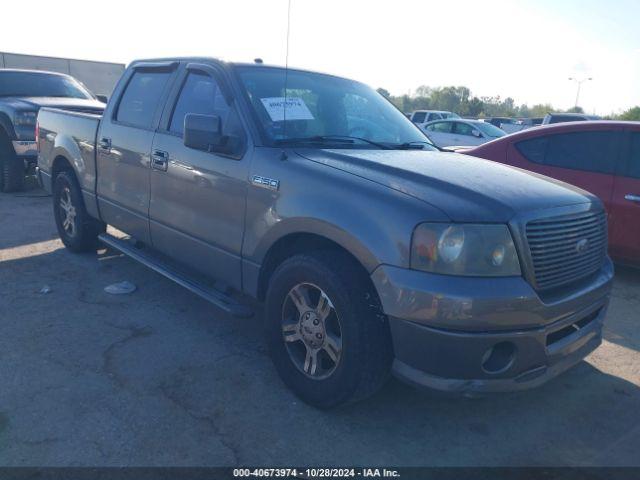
(466, 188)
(75, 104)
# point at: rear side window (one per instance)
(633, 168)
(589, 151)
(419, 117)
(141, 97)
(534, 150)
(441, 127)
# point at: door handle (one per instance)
(632, 198)
(105, 144)
(160, 160)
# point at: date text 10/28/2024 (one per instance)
(316, 472)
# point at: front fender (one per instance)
(374, 223)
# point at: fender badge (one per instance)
(265, 182)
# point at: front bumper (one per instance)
(473, 335)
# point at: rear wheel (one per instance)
(12, 171)
(326, 334)
(78, 231)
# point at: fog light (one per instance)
(499, 357)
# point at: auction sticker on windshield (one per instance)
(295, 108)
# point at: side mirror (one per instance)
(204, 132)
(102, 98)
(476, 133)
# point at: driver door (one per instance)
(197, 198)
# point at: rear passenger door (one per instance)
(625, 204)
(198, 198)
(124, 146)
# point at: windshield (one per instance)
(322, 110)
(490, 130)
(33, 84)
(449, 115)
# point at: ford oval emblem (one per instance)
(582, 245)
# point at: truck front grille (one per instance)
(565, 249)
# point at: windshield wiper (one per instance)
(323, 139)
(414, 145)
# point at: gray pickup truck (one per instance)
(22, 94)
(373, 251)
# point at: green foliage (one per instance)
(575, 109)
(461, 101)
(632, 114)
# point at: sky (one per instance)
(524, 49)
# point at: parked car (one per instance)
(461, 133)
(601, 157)
(420, 117)
(22, 93)
(499, 121)
(372, 251)
(567, 117)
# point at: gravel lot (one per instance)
(159, 377)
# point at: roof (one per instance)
(236, 64)
(568, 127)
(41, 72)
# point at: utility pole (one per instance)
(579, 82)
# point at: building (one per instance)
(99, 77)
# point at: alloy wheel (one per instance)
(311, 330)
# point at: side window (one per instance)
(633, 168)
(201, 94)
(441, 127)
(533, 150)
(419, 117)
(589, 151)
(463, 129)
(141, 96)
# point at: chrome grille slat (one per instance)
(566, 242)
(564, 233)
(553, 242)
(568, 253)
(569, 262)
(560, 225)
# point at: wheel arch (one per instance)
(309, 241)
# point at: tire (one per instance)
(364, 359)
(78, 231)
(12, 171)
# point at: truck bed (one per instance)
(75, 133)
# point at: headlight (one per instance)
(464, 249)
(25, 118)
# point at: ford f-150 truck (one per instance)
(372, 251)
(22, 93)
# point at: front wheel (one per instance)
(327, 336)
(78, 231)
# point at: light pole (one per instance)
(579, 82)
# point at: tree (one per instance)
(576, 109)
(631, 114)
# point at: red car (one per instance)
(602, 157)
